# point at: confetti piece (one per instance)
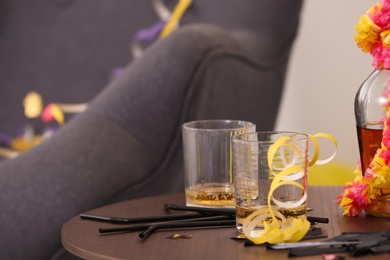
(332, 257)
(240, 237)
(179, 236)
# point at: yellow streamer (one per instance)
(315, 160)
(276, 231)
(175, 17)
(57, 114)
(277, 228)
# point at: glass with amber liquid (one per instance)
(371, 104)
(211, 195)
(208, 161)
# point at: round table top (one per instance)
(82, 238)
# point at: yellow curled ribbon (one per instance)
(316, 154)
(276, 228)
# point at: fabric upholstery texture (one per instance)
(228, 60)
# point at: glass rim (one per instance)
(191, 125)
(301, 136)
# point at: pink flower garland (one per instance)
(374, 34)
(373, 37)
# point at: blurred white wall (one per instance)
(325, 72)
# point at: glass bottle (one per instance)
(371, 104)
(370, 113)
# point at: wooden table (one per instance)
(82, 238)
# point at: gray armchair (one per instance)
(227, 60)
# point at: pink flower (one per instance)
(355, 197)
(381, 56)
(385, 141)
(386, 157)
(381, 16)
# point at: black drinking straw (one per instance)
(132, 228)
(151, 219)
(312, 219)
(229, 211)
(140, 227)
(220, 211)
(189, 224)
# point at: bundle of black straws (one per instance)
(195, 217)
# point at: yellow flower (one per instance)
(385, 35)
(368, 33)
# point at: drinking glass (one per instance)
(270, 174)
(208, 161)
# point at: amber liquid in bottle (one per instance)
(369, 142)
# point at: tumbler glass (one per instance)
(208, 161)
(270, 173)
